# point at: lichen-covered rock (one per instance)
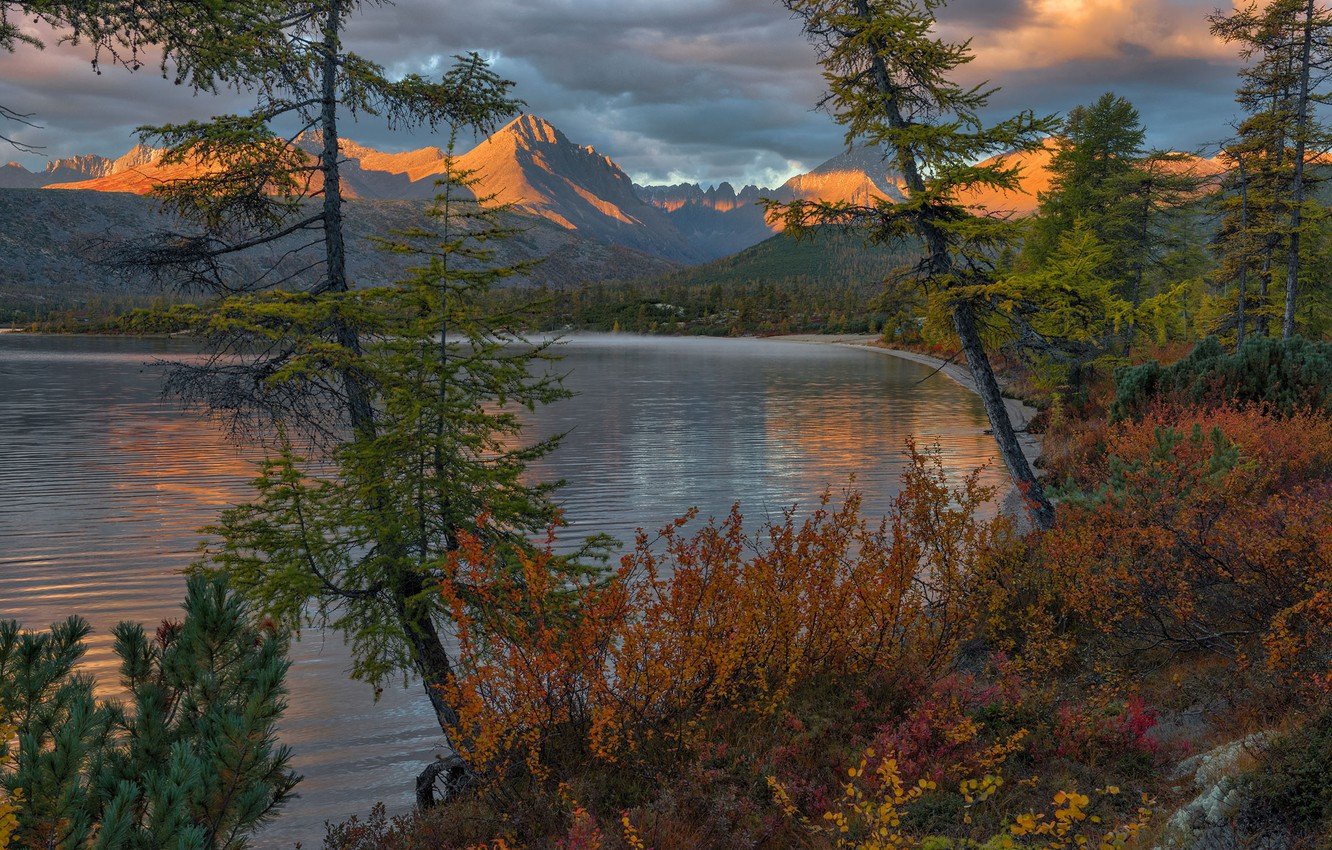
(1216, 819)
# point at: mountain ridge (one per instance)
(531, 165)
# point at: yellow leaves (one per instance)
(1071, 825)
(9, 809)
(979, 790)
(868, 816)
(781, 797)
(631, 837)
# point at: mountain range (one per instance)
(530, 164)
(581, 211)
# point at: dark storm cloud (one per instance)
(704, 90)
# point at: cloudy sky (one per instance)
(697, 90)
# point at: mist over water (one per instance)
(104, 484)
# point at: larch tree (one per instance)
(269, 184)
(1067, 312)
(891, 85)
(297, 348)
(1288, 47)
(364, 542)
(1104, 178)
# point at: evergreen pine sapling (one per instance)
(190, 759)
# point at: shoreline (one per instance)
(1019, 411)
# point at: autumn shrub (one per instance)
(704, 643)
(1202, 532)
(1119, 735)
(447, 829)
(939, 736)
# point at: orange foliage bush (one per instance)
(717, 629)
(1204, 532)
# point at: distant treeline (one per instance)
(114, 312)
(824, 282)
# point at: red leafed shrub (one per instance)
(1204, 533)
(938, 738)
(702, 642)
(1111, 735)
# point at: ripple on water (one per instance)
(105, 485)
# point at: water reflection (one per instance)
(105, 485)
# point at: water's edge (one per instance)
(1019, 412)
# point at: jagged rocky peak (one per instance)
(534, 128)
(88, 165)
(137, 157)
(721, 197)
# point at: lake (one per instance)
(105, 483)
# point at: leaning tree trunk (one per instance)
(940, 263)
(964, 322)
(432, 663)
(1240, 317)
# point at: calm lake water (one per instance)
(103, 485)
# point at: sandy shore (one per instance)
(1019, 411)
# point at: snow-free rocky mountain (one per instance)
(530, 164)
(583, 212)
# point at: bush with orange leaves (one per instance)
(705, 637)
(1204, 533)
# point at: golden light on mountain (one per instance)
(532, 165)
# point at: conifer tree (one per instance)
(1288, 46)
(890, 84)
(1097, 152)
(298, 353)
(190, 760)
(365, 545)
(1242, 239)
(1104, 179)
(1068, 309)
(287, 359)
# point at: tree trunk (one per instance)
(428, 653)
(1261, 325)
(964, 316)
(435, 669)
(1135, 293)
(1297, 192)
(432, 664)
(1244, 256)
(359, 409)
(964, 322)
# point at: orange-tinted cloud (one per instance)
(705, 90)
